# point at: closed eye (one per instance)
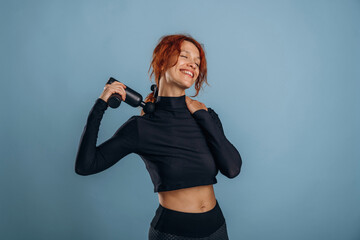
(197, 64)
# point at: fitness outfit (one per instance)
(180, 150)
(169, 224)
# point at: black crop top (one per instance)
(180, 149)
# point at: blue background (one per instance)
(284, 79)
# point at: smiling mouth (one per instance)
(188, 73)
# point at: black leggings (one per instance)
(169, 224)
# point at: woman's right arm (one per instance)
(92, 159)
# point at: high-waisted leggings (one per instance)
(169, 224)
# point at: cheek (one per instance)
(173, 72)
(198, 72)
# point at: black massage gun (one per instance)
(132, 98)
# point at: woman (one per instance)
(182, 144)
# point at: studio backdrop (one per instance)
(283, 77)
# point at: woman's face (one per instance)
(186, 70)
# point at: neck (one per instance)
(169, 89)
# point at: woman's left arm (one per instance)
(227, 157)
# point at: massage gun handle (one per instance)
(132, 98)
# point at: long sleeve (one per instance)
(227, 158)
(92, 159)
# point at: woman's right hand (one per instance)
(114, 87)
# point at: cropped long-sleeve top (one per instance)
(180, 149)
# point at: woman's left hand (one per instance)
(194, 105)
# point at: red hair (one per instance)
(169, 46)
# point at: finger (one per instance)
(117, 88)
(121, 84)
(120, 91)
(123, 94)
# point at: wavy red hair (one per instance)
(169, 46)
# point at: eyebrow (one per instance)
(188, 52)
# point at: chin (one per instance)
(187, 85)
(184, 84)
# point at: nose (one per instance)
(192, 64)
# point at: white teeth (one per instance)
(189, 73)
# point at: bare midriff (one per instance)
(192, 200)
